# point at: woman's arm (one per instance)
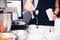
(56, 7)
(56, 11)
(30, 1)
(29, 6)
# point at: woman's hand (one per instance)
(53, 16)
(29, 6)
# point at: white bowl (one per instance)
(7, 35)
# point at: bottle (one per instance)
(1, 28)
(49, 12)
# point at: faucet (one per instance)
(3, 5)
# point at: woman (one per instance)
(42, 6)
(38, 33)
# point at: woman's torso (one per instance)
(42, 6)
